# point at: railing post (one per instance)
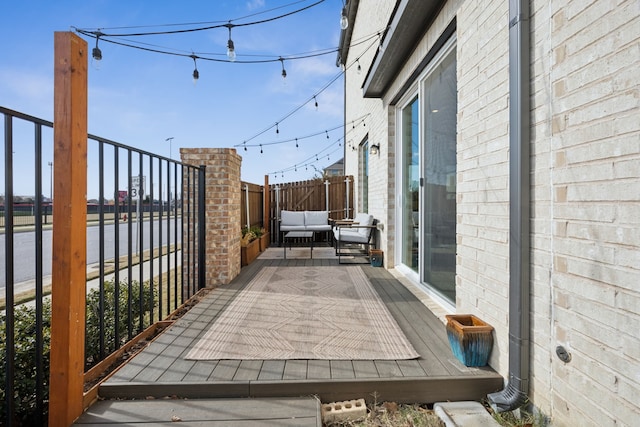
(202, 227)
(68, 298)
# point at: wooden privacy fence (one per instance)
(333, 194)
(252, 203)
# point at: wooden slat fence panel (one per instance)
(255, 204)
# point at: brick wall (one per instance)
(594, 186)
(222, 214)
(585, 190)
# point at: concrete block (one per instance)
(464, 414)
(348, 410)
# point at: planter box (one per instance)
(470, 339)
(376, 256)
(250, 252)
(264, 240)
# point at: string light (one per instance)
(316, 101)
(261, 149)
(284, 72)
(210, 27)
(325, 87)
(196, 73)
(297, 143)
(231, 50)
(277, 129)
(310, 161)
(359, 69)
(97, 53)
(344, 21)
(360, 119)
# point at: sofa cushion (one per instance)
(363, 219)
(292, 221)
(316, 218)
(317, 221)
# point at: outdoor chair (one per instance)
(359, 232)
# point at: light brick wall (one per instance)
(372, 17)
(482, 279)
(585, 190)
(222, 214)
(593, 60)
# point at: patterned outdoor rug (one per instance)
(325, 313)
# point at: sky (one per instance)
(141, 98)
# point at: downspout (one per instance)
(514, 395)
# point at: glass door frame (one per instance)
(416, 90)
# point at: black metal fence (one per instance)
(144, 238)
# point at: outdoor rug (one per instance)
(305, 313)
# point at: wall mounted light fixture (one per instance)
(374, 149)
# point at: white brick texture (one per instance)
(585, 189)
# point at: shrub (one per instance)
(25, 342)
(92, 339)
(24, 368)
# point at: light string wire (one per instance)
(205, 56)
(97, 33)
(312, 98)
(319, 155)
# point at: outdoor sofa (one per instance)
(316, 221)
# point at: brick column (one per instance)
(222, 211)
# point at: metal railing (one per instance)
(144, 252)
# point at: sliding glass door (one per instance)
(427, 225)
(439, 173)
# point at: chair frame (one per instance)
(371, 241)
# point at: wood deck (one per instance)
(161, 369)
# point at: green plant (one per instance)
(248, 236)
(520, 418)
(92, 338)
(257, 231)
(24, 368)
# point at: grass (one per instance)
(391, 414)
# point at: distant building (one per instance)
(335, 169)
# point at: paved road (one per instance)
(24, 247)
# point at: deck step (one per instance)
(302, 412)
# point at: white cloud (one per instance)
(27, 92)
(255, 4)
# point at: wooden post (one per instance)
(68, 296)
(265, 204)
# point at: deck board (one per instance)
(161, 368)
(298, 412)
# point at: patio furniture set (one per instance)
(345, 233)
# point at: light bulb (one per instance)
(284, 72)
(196, 73)
(97, 55)
(344, 22)
(231, 51)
